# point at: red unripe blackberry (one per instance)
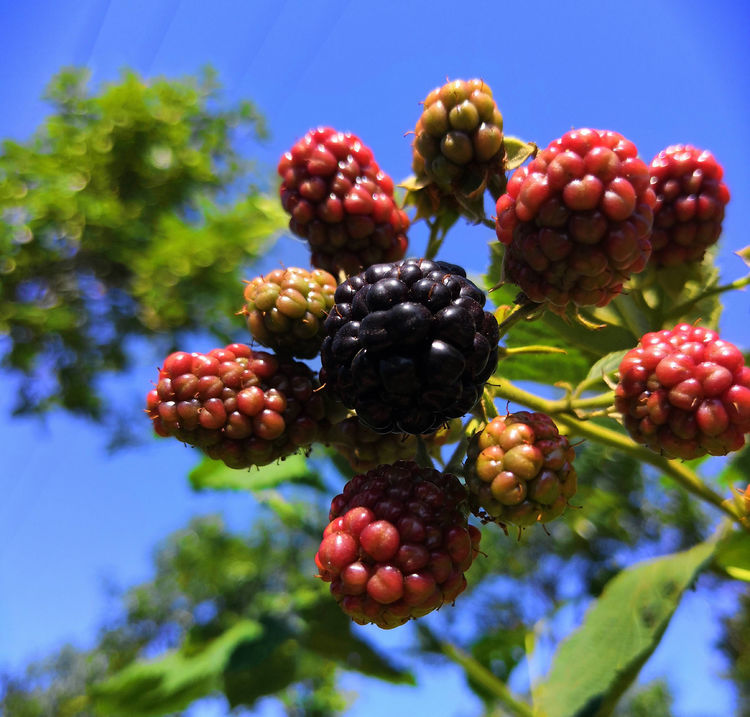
(409, 345)
(520, 470)
(690, 201)
(237, 405)
(286, 308)
(341, 202)
(576, 220)
(685, 393)
(458, 145)
(397, 544)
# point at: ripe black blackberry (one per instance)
(408, 345)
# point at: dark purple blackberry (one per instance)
(409, 345)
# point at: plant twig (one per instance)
(480, 674)
(679, 472)
(681, 309)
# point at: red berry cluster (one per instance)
(398, 544)
(690, 201)
(685, 393)
(577, 220)
(240, 406)
(341, 202)
(520, 470)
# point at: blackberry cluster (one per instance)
(244, 407)
(520, 470)
(341, 202)
(577, 220)
(286, 308)
(690, 201)
(685, 393)
(398, 544)
(408, 345)
(458, 143)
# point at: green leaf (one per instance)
(494, 275)
(607, 365)
(517, 152)
(263, 667)
(596, 664)
(737, 469)
(413, 183)
(172, 682)
(330, 635)
(733, 555)
(215, 475)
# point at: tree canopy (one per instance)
(128, 214)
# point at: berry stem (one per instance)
(488, 405)
(435, 241)
(525, 308)
(506, 351)
(604, 400)
(423, 457)
(456, 461)
(679, 472)
(480, 674)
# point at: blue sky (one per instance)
(658, 72)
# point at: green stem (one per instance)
(683, 308)
(488, 404)
(456, 461)
(480, 674)
(423, 456)
(586, 384)
(679, 472)
(525, 307)
(604, 400)
(435, 241)
(489, 223)
(507, 351)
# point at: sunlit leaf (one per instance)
(215, 475)
(594, 666)
(733, 555)
(172, 682)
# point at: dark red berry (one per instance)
(685, 393)
(690, 202)
(341, 202)
(240, 406)
(576, 221)
(388, 571)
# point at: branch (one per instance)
(679, 472)
(480, 674)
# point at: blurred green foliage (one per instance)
(224, 614)
(128, 214)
